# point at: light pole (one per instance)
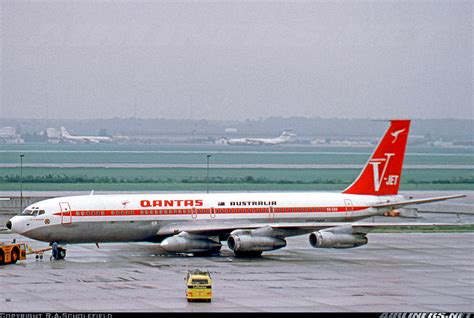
(21, 183)
(207, 179)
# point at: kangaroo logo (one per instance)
(378, 178)
(396, 133)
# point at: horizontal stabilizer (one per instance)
(417, 201)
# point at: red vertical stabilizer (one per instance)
(381, 175)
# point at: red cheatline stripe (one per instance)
(208, 211)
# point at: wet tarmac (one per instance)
(394, 272)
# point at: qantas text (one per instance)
(170, 203)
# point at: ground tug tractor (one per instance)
(11, 253)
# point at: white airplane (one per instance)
(83, 139)
(251, 223)
(284, 137)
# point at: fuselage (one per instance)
(90, 139)
(255, 141)
(284, 137)
(139, 217)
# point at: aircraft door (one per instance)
(349, 208)
(271, 213)
(213, 213)
(66, 213)
(194, 213)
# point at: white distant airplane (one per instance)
(251, 223)
(284, 137)
(83, 139)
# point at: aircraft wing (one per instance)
(291, 229)
(284, 229)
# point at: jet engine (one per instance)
(258, 240)
(189, 243)
(327, 239)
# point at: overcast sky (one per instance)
(236, 60)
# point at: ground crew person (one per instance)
(54, 246)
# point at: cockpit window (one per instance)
(34, 212)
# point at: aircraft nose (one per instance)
(13, 225)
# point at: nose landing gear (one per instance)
(58, 252)
(61, 253)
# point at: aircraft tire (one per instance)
(61, 253)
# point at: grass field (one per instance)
(427, 229)
(456, 176)
(193, 179)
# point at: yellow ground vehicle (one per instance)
(199, 285)
(11, 253)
